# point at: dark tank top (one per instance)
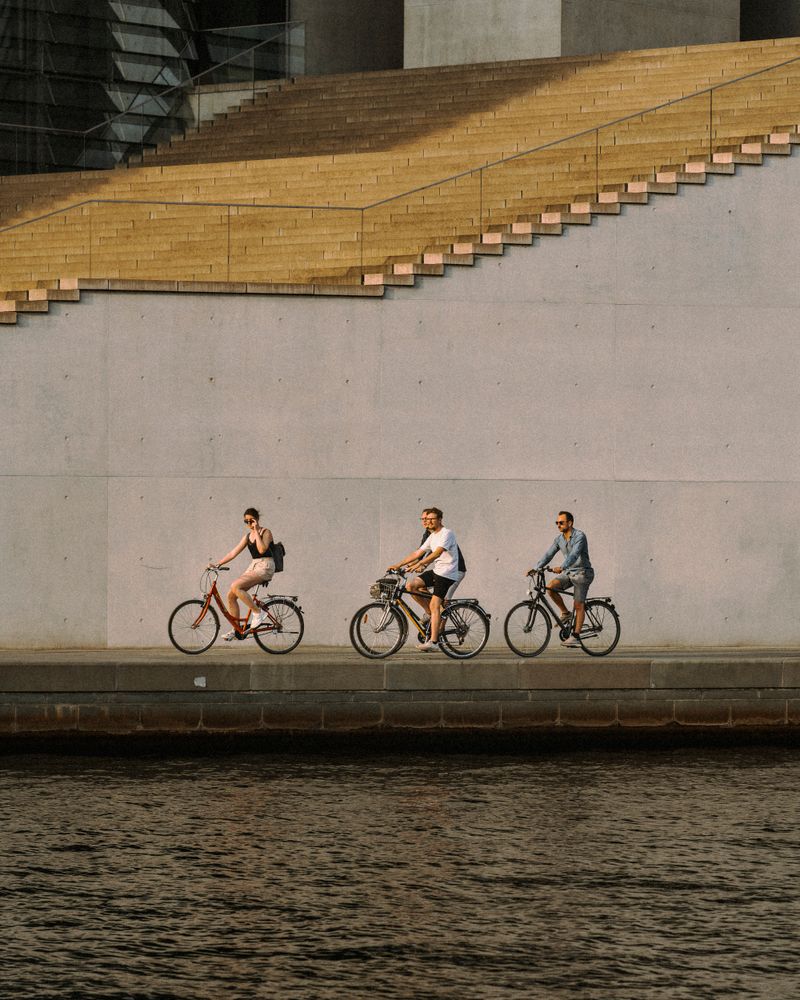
(253, 548)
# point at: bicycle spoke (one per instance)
(464, 632)
(527, 629)
(190, 630)
(600, 632)
(377, 630)
(284, 628)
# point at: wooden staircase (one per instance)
(196, 216)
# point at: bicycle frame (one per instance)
(400, 590)
(410, 613)
(537, 592)
(239, 624)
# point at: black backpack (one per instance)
(277, 551)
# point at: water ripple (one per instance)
(601, 877)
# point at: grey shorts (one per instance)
(579, 579)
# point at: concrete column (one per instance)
(356, 36)
(450, 32)
(613, 25)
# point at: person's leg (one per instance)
(436, 617)
(441, 586)
(418, 589)
(581, 583)
(239, 592)
(553, 588)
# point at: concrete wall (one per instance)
(445, 32)
(641, 372)
(355, 36)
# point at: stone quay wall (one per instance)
(336, 697)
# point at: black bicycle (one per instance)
(379, 629)
(529, 624)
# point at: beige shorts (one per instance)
(260, 571)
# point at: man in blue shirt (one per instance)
(575, 571)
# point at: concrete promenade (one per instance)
(331, 696)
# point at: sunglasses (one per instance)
(249, 521)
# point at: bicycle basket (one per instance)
(383, 589)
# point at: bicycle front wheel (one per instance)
(377, 630)
(190, 630)
(600, 632)
(464, 631)
(527, 629)
(284, 628)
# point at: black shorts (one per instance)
(439, 584)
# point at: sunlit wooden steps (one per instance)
(70, 290)
(496, 239)
(709, 168)
(648, 187)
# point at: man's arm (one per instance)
(408, 559)
(547, 556)
(431, 557)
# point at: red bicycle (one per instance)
(194, 624)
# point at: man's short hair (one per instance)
(567, 515)
(434, 510)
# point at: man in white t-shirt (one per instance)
(439, 551)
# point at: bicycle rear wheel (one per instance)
(284, 629)
(527, 629)
(600, 632)
(464, 631)
(188, 632)
(377, 630)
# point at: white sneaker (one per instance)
(258, 619)
(571, 643)
(229, 636)
(427, 646)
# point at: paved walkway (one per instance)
(246, 654)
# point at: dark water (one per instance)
(657, 875)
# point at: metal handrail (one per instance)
(425, 187)
(587, 131)
(179, 204)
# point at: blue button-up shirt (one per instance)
(575, 550)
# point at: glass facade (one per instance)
(67, 66)
(84, 82)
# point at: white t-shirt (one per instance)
(447, 563)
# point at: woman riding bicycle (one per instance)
(258, 541)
